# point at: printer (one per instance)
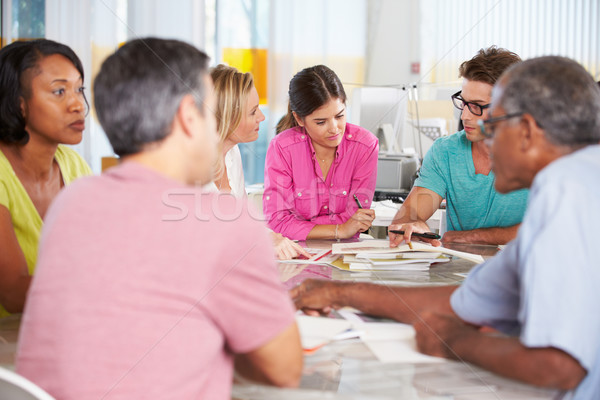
(395, 176)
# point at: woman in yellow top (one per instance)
(42, 107)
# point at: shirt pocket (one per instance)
(306, 202)
(339, 197)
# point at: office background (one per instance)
(390, 43)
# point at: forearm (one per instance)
(418, 207)
(483, 235)
(398, 303)
(547, 367)
(324, 232)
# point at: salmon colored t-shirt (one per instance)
(145, 289)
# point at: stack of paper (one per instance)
(413, 261)
(379, 248)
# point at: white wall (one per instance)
(393, 42)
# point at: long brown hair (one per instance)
(310, 89)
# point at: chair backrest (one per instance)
(16, 387)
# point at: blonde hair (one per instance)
(232, 88)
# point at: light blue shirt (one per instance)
(471, 200)
(545, 285)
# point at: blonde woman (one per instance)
(238, 119)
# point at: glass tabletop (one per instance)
(349, 370)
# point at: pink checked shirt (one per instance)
(297, 197)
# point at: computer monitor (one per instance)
(382, 111)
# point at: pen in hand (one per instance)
(426, 235)
(357, 201)
(360, 207)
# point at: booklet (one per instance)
(382, 246)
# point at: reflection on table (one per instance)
(349, 370)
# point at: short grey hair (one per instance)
(139, 88)
(560, 94)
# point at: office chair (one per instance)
(16, 387)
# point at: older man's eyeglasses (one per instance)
(487, 125)
(460, 103)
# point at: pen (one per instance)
(426, 235)
(357, 201)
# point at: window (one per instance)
(22, 20)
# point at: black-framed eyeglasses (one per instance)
(486, 126)
(460, 103)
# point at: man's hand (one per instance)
(315, 296)
(436, 333)
(410, 228)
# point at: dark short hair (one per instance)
(139, 88)
(559, 94)
(15, 60)
(310, 89)
(487, 65)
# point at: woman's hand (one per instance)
(286, 249)
(359, 222)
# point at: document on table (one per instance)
(390, 342)
(382, 246)
(395, 343)
(316, 332)
(318, 256)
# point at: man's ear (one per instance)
(530, 132)
(187, 114)
(298, 119)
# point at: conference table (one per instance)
(349, 370)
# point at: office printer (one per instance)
(395, 176)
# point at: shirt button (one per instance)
(344, 192)
(268, 197)
(366, 201)
(332, 185)
(349, 136)
(325, 207)
(302, 137)
(299, 194)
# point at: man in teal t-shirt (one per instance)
(458, 168)
(471, 200)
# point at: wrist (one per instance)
(459, 343)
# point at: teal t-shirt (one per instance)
(471, 200)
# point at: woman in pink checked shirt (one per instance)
(318, 162)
